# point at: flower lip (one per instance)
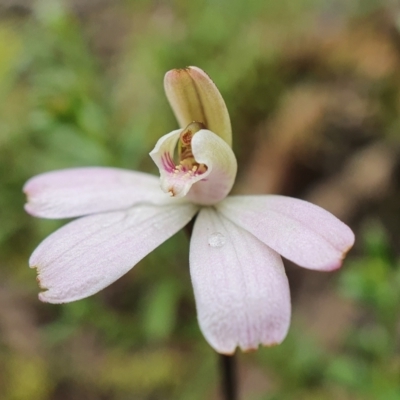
(207, 167)
(186, 160)
(177, 177)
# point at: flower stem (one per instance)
(228, 377)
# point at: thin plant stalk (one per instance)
(228, 377)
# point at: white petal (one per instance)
(300, 231)
(92, 252)
(209, 149)
(241, 290)
(81, 191)
(193, 96)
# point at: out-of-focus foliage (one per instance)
(313, 89)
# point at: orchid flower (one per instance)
(240, 286)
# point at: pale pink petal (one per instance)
(194, 97)
(204, 188)
(81, 191)
(92, 252)
(241, 290)
(300, 231)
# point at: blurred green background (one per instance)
(313, 89)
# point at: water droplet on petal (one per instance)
(216, 239)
